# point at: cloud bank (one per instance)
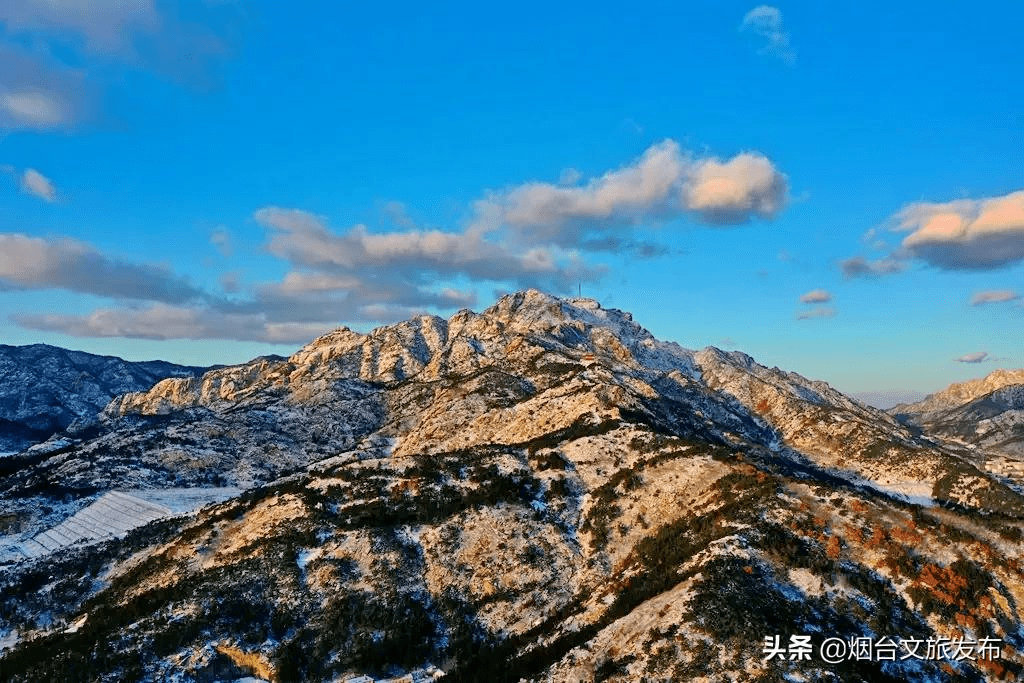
(532, 235)
(38, 263)
(664, 183)
(962, 235)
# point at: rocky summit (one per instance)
(542, 491)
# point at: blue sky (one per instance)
(834, 188)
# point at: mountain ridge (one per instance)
(44, 388)
(540, 491)
(959, 393)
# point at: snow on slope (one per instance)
(116, 513)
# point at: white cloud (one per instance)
(734, 191)
(36, 184)
(766, 22)
(665, 182)
(530, 236)
(37, 263)
(976, 357)
(994, 296)
(417, 256)
(816, 296)
(33, 109)
(817, 312)
(968, 234)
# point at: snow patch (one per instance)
(913, 492)
(306, 556)
(9, 640)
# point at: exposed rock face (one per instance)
(541, 491)
(43, 389)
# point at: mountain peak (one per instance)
(960, 393)
(514, 493)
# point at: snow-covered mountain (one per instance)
(43, 389)
(542, 491)
(958, 394)
(986, 414)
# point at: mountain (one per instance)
(985, 414)
(542, 491)
(960, 393)
(43, 389)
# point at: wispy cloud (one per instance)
(174, 322)
(858, 266)
(976, 357)
(766, 22)
(137, 33)
(569, 176)
(230, 282)
(993, 296)
(37, 263)
(102, 25)
(96, 41)
(816, 296)
(398, 214)
(817, 312)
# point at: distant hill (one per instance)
(43, 389)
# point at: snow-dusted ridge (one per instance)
(540, 491)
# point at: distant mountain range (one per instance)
(43, 389)
(986, 414)
(542, 491)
